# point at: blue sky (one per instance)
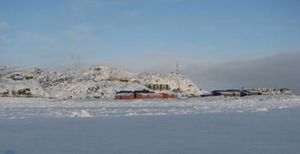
(146, 34)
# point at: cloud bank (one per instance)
(282, 70)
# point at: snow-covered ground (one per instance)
(262, 124)
(273, 132)
(19, 108)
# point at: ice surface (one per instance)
(44, 108)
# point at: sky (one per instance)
(213, 41)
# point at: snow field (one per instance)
(18, 108)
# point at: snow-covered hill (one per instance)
(96, 82)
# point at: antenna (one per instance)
(177, 72)
(177, 69)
